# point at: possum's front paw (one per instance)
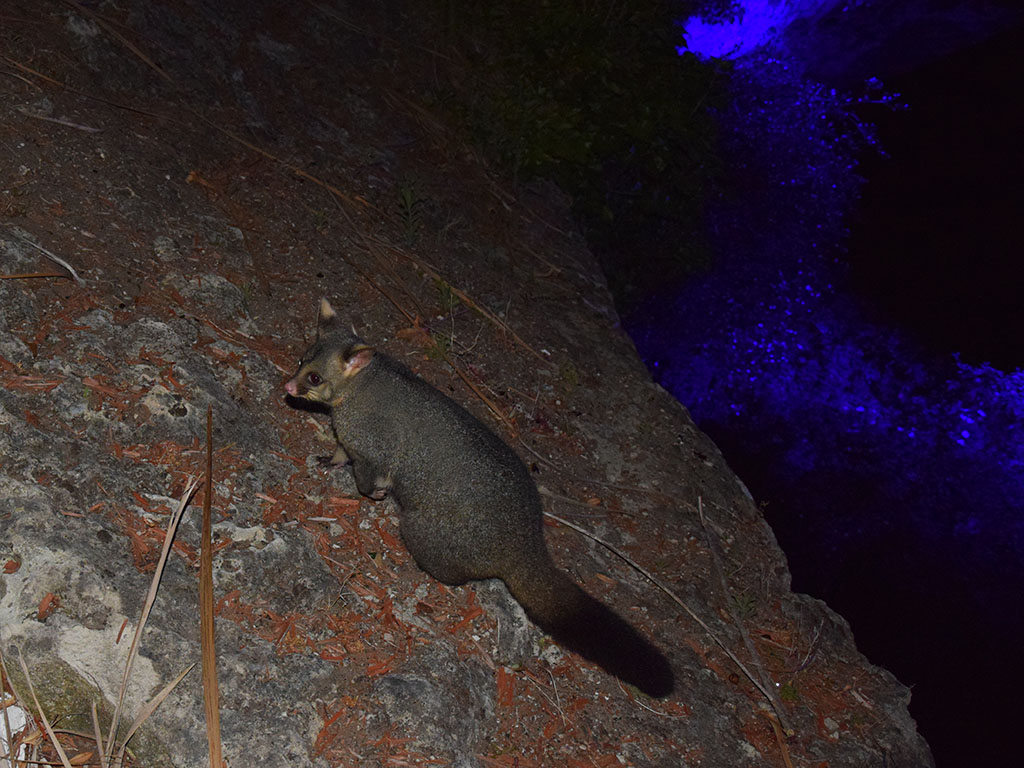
(339, 459)
(378, 494)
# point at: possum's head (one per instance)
(328, 368)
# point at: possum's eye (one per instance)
(314, 379)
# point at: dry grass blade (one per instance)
(42, 715)
(211, 691)
(7, 734)
(51, 256)
(57, 121)
(90, 96)
(172, 527)
(333, 14)
(148, 710)
(98, 737)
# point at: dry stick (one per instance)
(654, 580)
(780, 737)
(373, 247)
(23, 79)
(509, 424)
(211, 691)
(172, 527)
(293, 168)
(367, 244)
(386, 267)
(410, 318)
(766, 686)
(491, 405)
(29, 275)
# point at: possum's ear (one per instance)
(327, 317)
(357, 358)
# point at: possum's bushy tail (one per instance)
(579, 622)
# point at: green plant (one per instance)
(446, 297)
(746, 605)
(248, 289)
(569, 376)
(410, 210)
(441, 346)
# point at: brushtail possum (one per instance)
(469, 509)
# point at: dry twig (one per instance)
(211, 691)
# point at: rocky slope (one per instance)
(210, 171)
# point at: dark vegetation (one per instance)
(593, 97)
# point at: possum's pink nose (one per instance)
(290, 388)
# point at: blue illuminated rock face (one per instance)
(893, 475)
(845, 41)
(755, 24)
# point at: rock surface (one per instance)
(188, 190)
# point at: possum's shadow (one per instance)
(307, 405)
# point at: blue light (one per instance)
(850, 387)
(755, 24)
